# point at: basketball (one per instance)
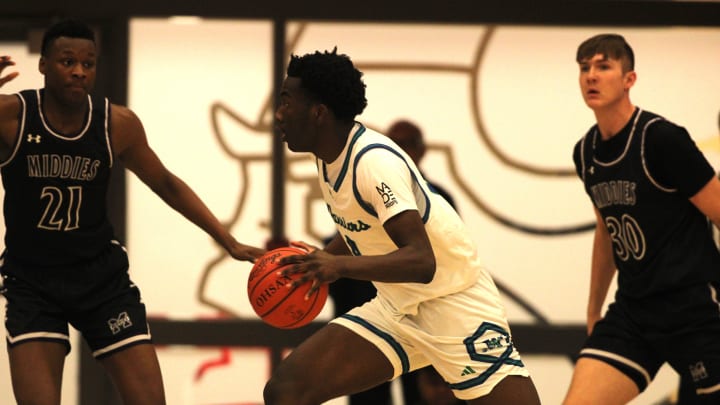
(273, 301)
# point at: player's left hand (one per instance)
(318, 267)
(243, 252)
(304, 246)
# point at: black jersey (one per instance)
(641, 180)
(56, 187)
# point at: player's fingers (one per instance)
(294, 259)
(315, 286)
(290, 269)
(255, 253)
(298, 281)
(302, 245)
(7, 78)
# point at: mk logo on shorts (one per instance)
(496, 343)
(121, 322)
(697, 371)
(387, 195)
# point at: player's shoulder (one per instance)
(9, 105)
(662, 132)
(123, 117)
(657, 123)
(366, 144)
(586, 136)
(365, 136)
(122, 111)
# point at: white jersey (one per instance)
(373, 180)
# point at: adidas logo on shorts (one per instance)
(467, 370)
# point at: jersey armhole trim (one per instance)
(644, 160)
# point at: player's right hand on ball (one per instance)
(318, 267)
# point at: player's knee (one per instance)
(271, 392)
(284, 390)
(28, 398)
(278, 391)
(29, 395)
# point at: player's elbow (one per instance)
(427, 270)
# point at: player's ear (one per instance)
(630, 78)
(41, 65)
(320, 112)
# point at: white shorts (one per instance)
(464, 337)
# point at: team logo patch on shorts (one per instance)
(118, 324)
(489, 338)
(489, 344)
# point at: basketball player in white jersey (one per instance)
(436, 305)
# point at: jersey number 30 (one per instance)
(62, 208)
(627, 236)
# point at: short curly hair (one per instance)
(66, 28)
(331, 79)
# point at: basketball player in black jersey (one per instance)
(61, 264)
(652, 190)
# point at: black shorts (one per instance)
(681, 328)
(97, 298)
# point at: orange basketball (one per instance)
(273, 301)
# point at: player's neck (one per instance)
(612, 119)
(63, 117)
(334, 142)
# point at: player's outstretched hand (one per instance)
(247, 253)
(6, 61)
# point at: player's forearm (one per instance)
(405, 265)
(337, 246)
(602, 273)
(178, 195)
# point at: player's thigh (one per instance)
(595, 382)
(36, 370)
(136, 373)
(513, 389)
(335, 361)
(112, 314)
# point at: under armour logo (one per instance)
(121, 322)
(33, 138)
